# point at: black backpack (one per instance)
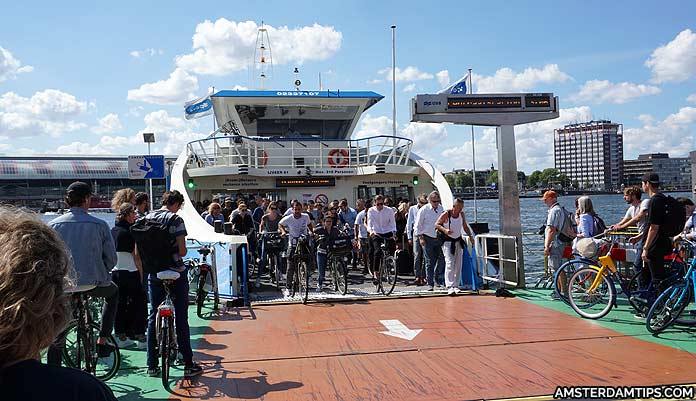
(598, 225)
(154, 243)
(675, 217)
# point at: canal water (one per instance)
(611, 208)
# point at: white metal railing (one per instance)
(259, 152)
(486, 254)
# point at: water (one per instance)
(611, 208)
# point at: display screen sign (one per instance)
(484, 103)
(305, 182)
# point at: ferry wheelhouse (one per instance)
(297, 145)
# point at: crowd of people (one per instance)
(652, 240)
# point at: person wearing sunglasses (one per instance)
(425, 232)
(381, 227)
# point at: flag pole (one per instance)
(473, 155)
(393, 29)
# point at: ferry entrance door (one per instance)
(502, 111)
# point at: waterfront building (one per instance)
(39, 182)
(590, 154)
(674, 172)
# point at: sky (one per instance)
(89, 77)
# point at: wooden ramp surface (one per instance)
(470, 347)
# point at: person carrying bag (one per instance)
(453, 243)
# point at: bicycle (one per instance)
(670, 305)
(165, 326)
(592, 291)
(198, 272)
(301, 257)
(339, 252)
(80, 351)
(271, 247)
(387, 268)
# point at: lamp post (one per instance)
(149, 137)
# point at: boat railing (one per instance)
(257, 152)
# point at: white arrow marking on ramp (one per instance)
(397, 329)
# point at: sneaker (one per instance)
(104, 350)
(124, 342)
(450, 291)
(554, 296)
(457, 290)
(431, 288)
(258, 282)
(286, 293)
(154, 372)
(319, 288)
(639, 315)
(192, 370)
(142, 345)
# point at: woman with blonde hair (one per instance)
(122, 196)
(585, 213)
(34, 308)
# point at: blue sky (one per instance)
(89, 77)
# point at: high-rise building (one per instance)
(590, 154)
(674, 172)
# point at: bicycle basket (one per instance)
(586, 247)
(342, 246)
(274, 243)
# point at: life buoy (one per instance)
(341, 162)
(264, 157)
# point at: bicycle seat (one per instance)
(168, 275)
(80, 288)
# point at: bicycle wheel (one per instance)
(78, 349)
(667, 307)
(165, 341)
(303, 277)
(387, 275)
(640, 296)
(201, 294)
(340, 275)
(591, 296)
(562, 276)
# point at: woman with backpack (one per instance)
(450, 227)
(589, 224)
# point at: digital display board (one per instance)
(537, 101)
(484, 102)
(306, 182)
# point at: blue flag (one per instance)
(201, 107)
(459, 87)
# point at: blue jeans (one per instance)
(418, 268)
(434, 261)
(322, 260)
(180, 298)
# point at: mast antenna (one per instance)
(263, 57)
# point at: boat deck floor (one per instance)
(469, 347)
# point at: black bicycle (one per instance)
(202, 277)
(80, 351)
(387, 273)
(302, 259)
(165, 326)
(271, 248)
(340, 251)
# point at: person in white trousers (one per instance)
(452, 224)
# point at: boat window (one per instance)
(298, 120)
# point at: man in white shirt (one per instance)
(381, 227)
(418, 267)
(425, 232)
(361, 237)
(294, 226)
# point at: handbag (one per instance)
(442, 237)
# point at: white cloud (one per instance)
(533, 144)
(223, 46)
(146, 52)
(443, 78)
(597, 91)
(10, 67)
(507, 80)
(410, 88)
(179, 87)
(424, 136)
(49, 112)
(108, 124)
(81, 148)
(691, 98)
(675, 61)
(673, 135)
(408, 74)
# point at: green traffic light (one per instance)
(415, 180)
(191, 184)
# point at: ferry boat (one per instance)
(297, 145)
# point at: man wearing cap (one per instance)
(93, 254)
(227, 209)
(657, 243)
(553, 247)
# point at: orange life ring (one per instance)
(342, 162)
(264, 157)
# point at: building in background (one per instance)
(39, 182)
(590, 154)
(674, 172)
